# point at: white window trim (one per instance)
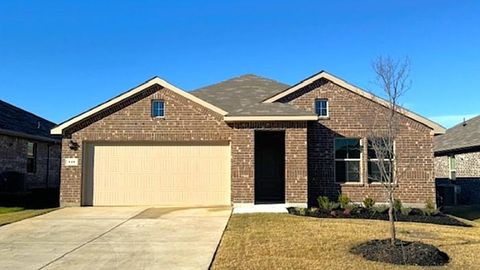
(452, 173)
(315, 107)
(394, 162)
(360, 182)
(34, 157)
(164, 108)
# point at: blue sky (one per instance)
(59, 58)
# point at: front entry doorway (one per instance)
(269, 167)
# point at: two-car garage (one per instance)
(169, 174)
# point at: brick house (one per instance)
(29, 155)
(247, 140)
(457, 163)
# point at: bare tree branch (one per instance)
(392, 76)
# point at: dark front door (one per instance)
(269, 167)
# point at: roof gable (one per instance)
(154, 81)
(438, 129)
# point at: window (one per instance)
(31, 157)
(158, 108)
(452, 167)
(374, 166)
(321, 107)
(347, 160)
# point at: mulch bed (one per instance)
(403, 252)
(362, 213)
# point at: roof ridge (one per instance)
(238, 77)
(25, 111)
(460, 124)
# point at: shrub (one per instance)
(343, 200)
(312, 211)
(429, 204)
(430, 212)
(429, 209)
(348, 209)
(397, 205)
(380, 209)
(325, 204)
(406, 211)
(368, 202)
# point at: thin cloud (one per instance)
(449, 121)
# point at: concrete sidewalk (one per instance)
(114, 238)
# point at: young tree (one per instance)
(392, 76)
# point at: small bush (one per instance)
(323, 202)
(333, 206)
(349, 209)
(406, 211)
(429, 209)
(368, 202)
(429, 204)
(343, 200)
(312, 211)
(380, 209)
(350, 206)
(397, 205)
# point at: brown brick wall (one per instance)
(131, 121)
(351, 115)
(13, 157)
(243, 155)
(186, 121)
(468, 165)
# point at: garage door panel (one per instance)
(161, 174)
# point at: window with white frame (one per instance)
(374, 168)
(321, 107)
(158, 108)
(347, 160)
(31, 157)
(452, 167)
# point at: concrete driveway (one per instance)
(114, 238)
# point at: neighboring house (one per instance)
(248, 140)
(29, 155)
(457, 163)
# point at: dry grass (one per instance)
(13, 216)
(282, 241)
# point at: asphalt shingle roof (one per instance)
(242, 96)
(460, 136)
(17, 120)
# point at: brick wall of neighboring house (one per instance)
(441, 167)
(185, 121)
(351, 115)
(13, 157)
(468, 165)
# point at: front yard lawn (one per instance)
(282, 241)
(13, 214)
(5, 210)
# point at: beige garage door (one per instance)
(170, 175)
